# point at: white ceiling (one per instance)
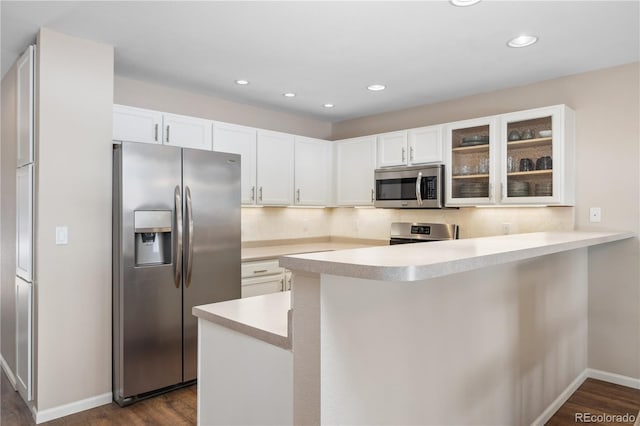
(424, 51)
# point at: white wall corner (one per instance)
(8, 372)
(72, 408)
(588, 373)
(561, 399)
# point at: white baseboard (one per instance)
(71, 408)
(8, 372)
(614, 378)
(588, 373)
(561, 399)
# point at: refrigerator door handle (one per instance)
(189, 212)
(177, 240)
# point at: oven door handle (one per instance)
(418, 191)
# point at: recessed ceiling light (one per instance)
(289, 95)
(463, 3)
(522, 41)
(328, 105)
(376, 87)
(242, 82)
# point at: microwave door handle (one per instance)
(418, 191)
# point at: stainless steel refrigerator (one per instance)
(176, 244)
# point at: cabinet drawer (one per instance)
(260, 268)
(262, 285)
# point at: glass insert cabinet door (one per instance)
(472, 159)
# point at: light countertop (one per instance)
(277, 250)
(420, 261)
(262, 317)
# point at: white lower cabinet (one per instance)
(264, 277)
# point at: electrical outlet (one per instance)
(506, 228)
(305, 225)
(595, 214)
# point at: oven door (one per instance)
(409, 187)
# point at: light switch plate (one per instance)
(595, 214)
(62, 235)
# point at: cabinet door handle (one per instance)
(260, 194)
(281, 284)
(403, 154)
(260, 271)
(155, 132)
(410, 153)
(298, 195)
(253, 193)
(373, 198)
(168, 133)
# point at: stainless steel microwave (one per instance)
(418, 187)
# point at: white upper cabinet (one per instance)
(187, 132)
(355, 165)
(275, 168)
(239, 140)
(142, 125)
(25, 95)
(537, 156)
(410, 147)
(312, 175)
(136, 125)
(471, 163)
(425, 145)
(392, 149)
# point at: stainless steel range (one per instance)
(407, 232)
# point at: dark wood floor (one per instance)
(598, 398)
(174, 408)
(179, 407)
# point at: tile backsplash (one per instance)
(272, 223)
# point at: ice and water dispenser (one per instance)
(153, 237)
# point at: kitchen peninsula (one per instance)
(475, 331)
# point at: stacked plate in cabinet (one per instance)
(517, 189)
(473, 189)
(543, 189)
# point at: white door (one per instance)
(136, 125)
(312, 172)
(24, 338)
(355, 165)
(239, 140)
(187, 132)
(24, 222)
(275, 168)
(425, 145)
(392, 149)
(25, 107)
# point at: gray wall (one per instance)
(8, 140)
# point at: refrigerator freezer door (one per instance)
(24, 222)
(212, 208)
(147, 304)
